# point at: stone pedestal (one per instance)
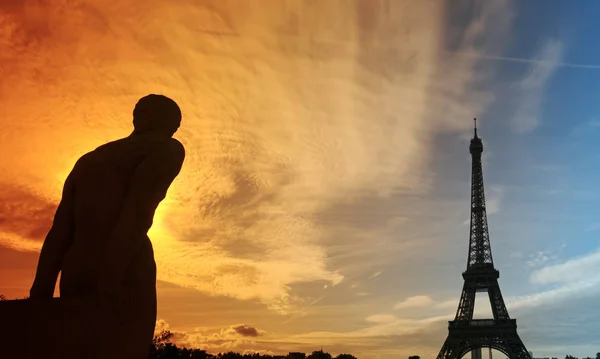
(73, 328)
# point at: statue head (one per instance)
(156, 114)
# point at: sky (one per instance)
(325, 194)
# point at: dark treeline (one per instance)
(162, 348)
(572, 357)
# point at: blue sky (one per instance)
(541, 135)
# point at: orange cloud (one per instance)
(25, 217)
(295, 113)
(234, 337)
(246, 330)
(24, 213)
(273, 138)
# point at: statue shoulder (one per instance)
(174, 149)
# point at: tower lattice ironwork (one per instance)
(465, 333)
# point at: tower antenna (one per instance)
(475, 121)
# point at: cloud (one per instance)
(375, 275)
(161, 325)
(585, 128)
(424, 301)
(261, 160)
(290, 113)
(381, 318)
(25, 217)
(578, 269)
(245, 330)
(561, 281)
(234, 337)
(540, 258)
(556, 295)
(418, 301)
(532, 87)
(593, 227)
(493, 199)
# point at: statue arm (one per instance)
(148, 187)
(55, 245)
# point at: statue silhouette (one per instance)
(99, 244)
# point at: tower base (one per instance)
(465, 336)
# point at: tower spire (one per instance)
(475, 122)
(480, 252)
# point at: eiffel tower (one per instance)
(466, 334)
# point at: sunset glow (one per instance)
(326, 180)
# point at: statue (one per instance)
(99, 244)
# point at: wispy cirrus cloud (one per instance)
(340, 110)
(560, 281)
(574, 270)
(381, 318)
(375, 275)
(424, 301)
(593, 227)
(586, 127)
(532, 86)
(541, 258)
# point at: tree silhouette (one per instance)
(319, 354)
(231, 355)
(162, 348)
(345, 356)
